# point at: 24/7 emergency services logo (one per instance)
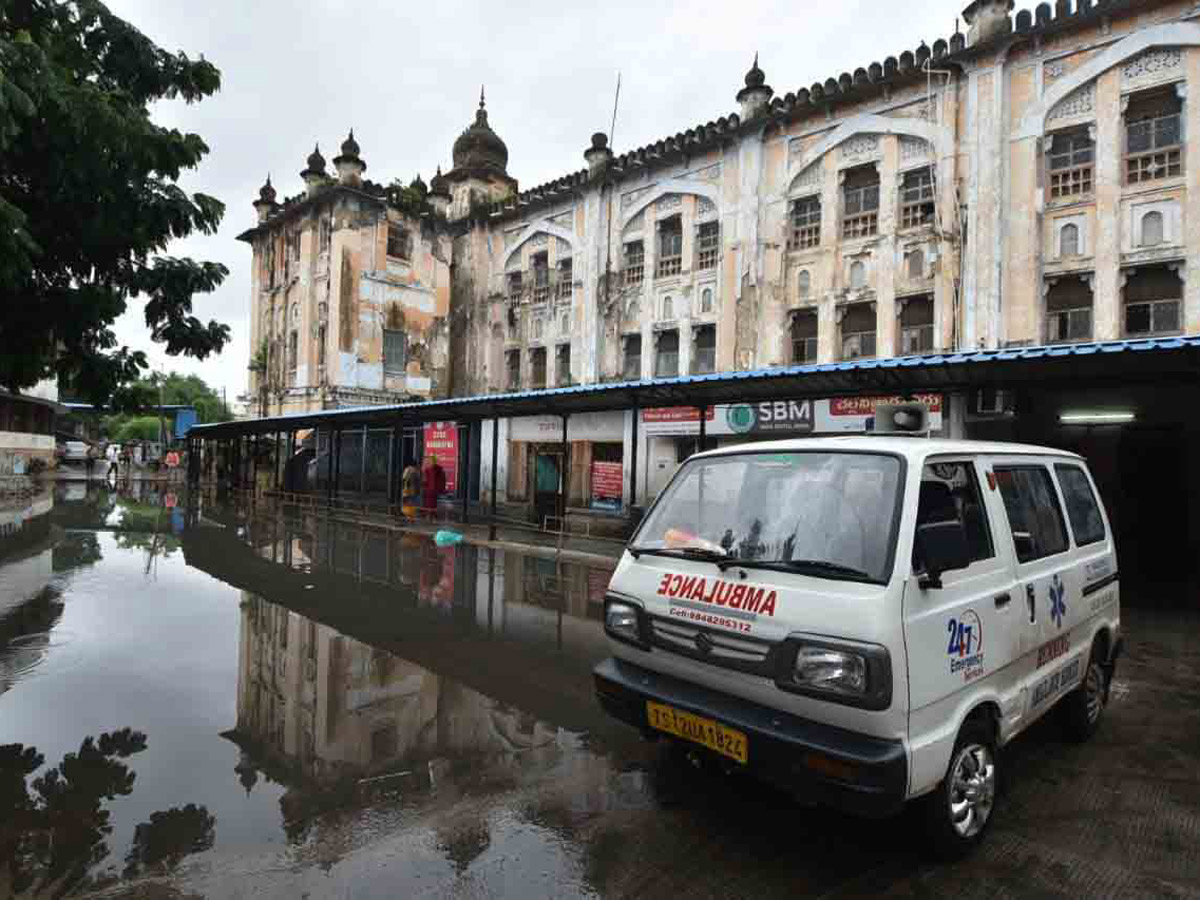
(1058, 606)
(966, 645)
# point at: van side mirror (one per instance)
(942, 547)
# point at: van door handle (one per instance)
(1030, 600)
(1002, 600)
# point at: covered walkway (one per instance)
(357, 455)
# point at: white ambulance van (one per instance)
(867, 620)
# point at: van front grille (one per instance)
(743, 654)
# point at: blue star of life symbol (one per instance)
(1058, 608)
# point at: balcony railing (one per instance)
(1152, 317)
(1142, 167)
(705, 361)
(1068, 325)
(804, 350)
(864, 225)
(858, 345)
(1072, 182)
(668, 266)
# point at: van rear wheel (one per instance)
(959, 811)
(1083, 708)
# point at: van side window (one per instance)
(950, 493)
(1082, 509)
(1034, 515)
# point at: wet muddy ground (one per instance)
(210, 703)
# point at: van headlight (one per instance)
(842, 672)
(831, 670)
(623, 621)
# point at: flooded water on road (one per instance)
(212, 701)
(211, 683)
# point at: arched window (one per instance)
(803, 284)
(634, 313)
(537, 328)
(1068, 241)
(706, 303)
(564, 325)
(1152, 229)
(668, 307)
(858, 276)
(916, 264)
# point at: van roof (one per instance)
(914, 448)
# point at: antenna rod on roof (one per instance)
(608, 180)
(612, 132)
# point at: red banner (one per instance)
(441, 443)
(607, 480)
(677, 414)
(865, 406)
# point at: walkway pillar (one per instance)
(633, 455)
(291, 454)
(337, 461)
(564, 475)
(703, 427)
(278, 456)
(464, 469)
(329, 466)
(495, 477)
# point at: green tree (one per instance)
(139, 428)
(89, 199)
(138, 405)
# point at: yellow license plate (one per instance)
(713, 735)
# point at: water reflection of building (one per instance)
(29, 603)
(328, 706)
(26, 549)
(384, 651)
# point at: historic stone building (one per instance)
(1024, 183)
(350, 290)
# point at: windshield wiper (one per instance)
(821, 567)
(702, 553)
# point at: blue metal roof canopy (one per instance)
(1111, 362)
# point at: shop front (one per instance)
(589, 465)
(672, 434)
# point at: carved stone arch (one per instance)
(1171, 34)
(671, 186)
(543, 226)
(867, 123)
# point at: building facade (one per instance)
(1024, 183)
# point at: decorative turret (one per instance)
(418, 184)
(314, 173)
(349, 164)
(480, 174)
(755, 96)
(439, 192)
(598, 155)
(478, 147)
(987, 19)
(265, 204)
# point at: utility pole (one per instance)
(162, 423)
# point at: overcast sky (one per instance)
(406, 77)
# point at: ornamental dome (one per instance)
(350, 145)
(478, 147)
(316, 162)
(438, 185)
(266, 193)
(755, 78)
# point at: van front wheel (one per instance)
(959, 811)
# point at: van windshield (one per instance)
(828, 514)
